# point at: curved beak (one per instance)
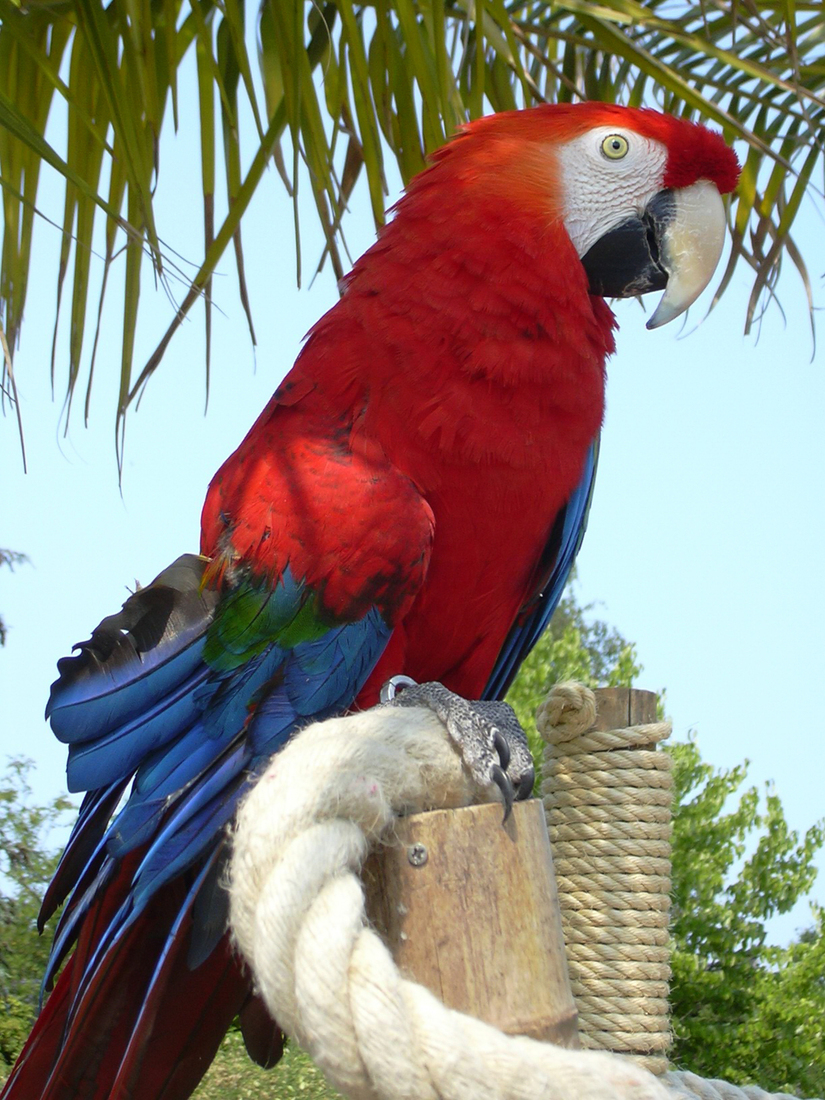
(674, 245)
(690, 249)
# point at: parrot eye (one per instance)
(614, 147)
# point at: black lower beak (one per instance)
(626, 261)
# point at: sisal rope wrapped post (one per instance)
(607, 794)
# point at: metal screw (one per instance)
(417, 855)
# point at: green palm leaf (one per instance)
(353, 85)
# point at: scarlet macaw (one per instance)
(410, 501)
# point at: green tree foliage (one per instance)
(26, 866)
(743, 1010)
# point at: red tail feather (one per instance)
(117, 1035)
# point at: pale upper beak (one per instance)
(690, 248)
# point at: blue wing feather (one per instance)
(160, 781)
(134, 658)
(142, 698)
(556, 563)
(115, 755)
(320, 676)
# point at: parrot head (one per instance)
(639, 193)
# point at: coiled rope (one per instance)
(607, 796)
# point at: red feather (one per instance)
(109, 1039)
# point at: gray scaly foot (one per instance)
(486, 734)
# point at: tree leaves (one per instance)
(25, 869)
(743, 1011)
(353, 85)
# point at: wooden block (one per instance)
(469, 908)
(622, 707)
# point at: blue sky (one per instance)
(704, 545)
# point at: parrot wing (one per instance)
(548, 581)
(185, 694)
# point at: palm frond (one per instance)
(350, 85)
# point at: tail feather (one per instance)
(163, 996)
(195, 1010)
(98, 921)
(263, 1039)
(184, 1017)
(184, 692)
(83, 848)
(139, 1022)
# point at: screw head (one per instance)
(417, 855)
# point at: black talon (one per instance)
(525, 785)
(508, 794)
(502, 748)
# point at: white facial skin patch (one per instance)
(609, 176)
(602, 190)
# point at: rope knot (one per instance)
(567, 712)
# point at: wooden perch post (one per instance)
(469, 909)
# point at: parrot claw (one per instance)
(502, 748)
(394, 686)
(508, 791)
(486, 734)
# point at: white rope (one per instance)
(297, 912)
(690, 1086)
